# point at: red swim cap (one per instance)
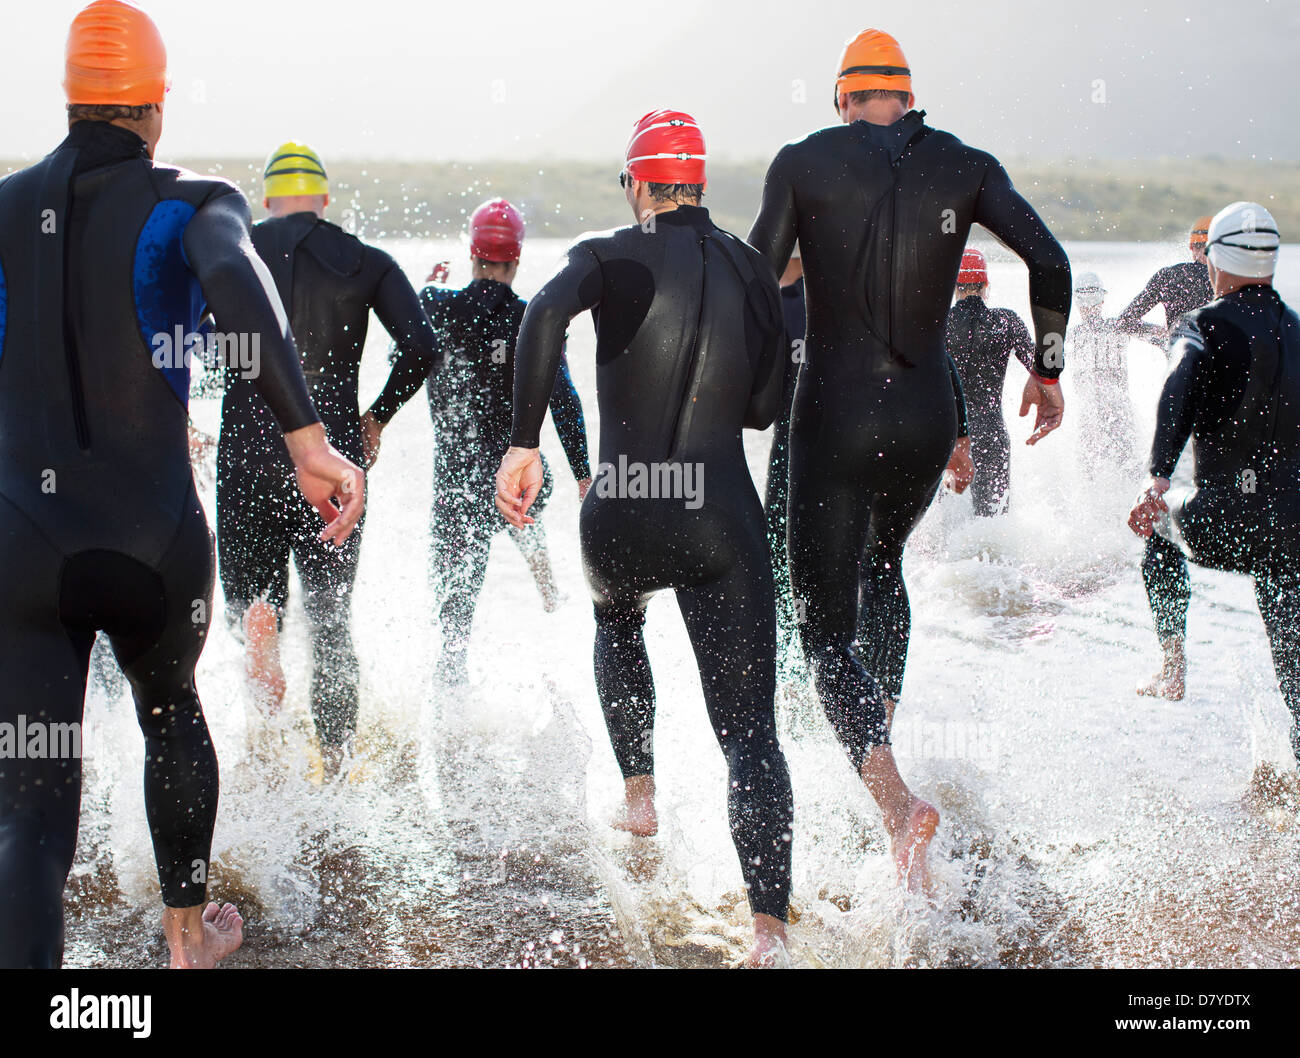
(496, 231)
(114, 55)
(974, 269)
(667, 147)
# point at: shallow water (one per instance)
(1081, 824)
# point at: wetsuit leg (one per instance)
(158, 643)
(731, 623)
(1164, 573)
(156, 619)
(1278, 595)
(460, 542)
(991, 453)
(44, 682)
(253, 539)
(724, 591)
(864, 466)
(884, 611)
(328, 574)
(775, 509)
(531, 542)
(828, 523)
(625, 684)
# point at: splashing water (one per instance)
(1082, 825)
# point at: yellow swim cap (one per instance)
(294, 169)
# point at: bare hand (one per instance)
(583, 486)
(1148, 507)
(326, 477)
(519, 480)
(1051, 407)
(960, 471)
(370, 431)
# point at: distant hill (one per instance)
(1080, 199)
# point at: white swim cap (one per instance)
(1088, 291)
(1244, 241)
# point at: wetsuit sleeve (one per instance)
(242, 298)
(566, 414)
(1180, 397)
(418, 355)
(1130, 320)
(575, 287)
(1004, 212)
(775, 228)
(435, 301)
(963, 423)
(1022, 346)
(769, 373)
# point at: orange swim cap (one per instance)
(115, 54)
(874, 59)
(1200, 232)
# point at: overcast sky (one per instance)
(472, 80)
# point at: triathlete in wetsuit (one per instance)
(689, 350)
(1178, 288)
(881, 207)
(330, 281)
(1234, 390)
(1098, 351)
(981, 341)
(104, 255)
(470, 400)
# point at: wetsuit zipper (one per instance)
(693, 363)
(1279, 330)
(76, 388)
(887, 339)
(77, 393)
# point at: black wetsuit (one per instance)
(470, 401)
(330, 281)
(1234, 389)
(981, 341)
(882, 215)
(1179, 288)
(689, 350)
(102, 252)
(776, 495)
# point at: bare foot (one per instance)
(262, 662)
(638, 814)
(911, 843)
(910, 821)
(1171, 681)
(200, 937)
(769, 952)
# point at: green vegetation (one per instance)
(1080, 199)
(1153, 199)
